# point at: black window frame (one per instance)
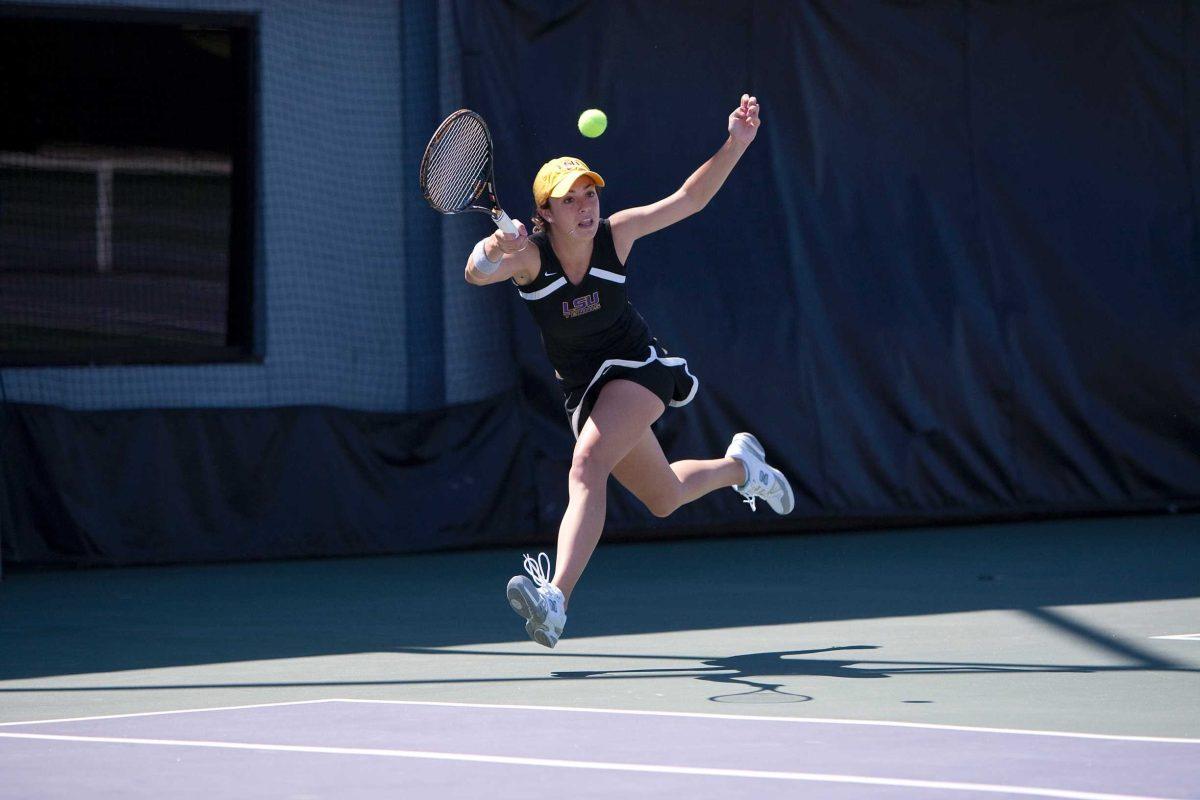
(244, 342)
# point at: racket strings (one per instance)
(456, 167)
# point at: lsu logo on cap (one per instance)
(557, 175)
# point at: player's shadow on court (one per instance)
(106, 621)
(739, 671)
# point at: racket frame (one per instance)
(483, 197)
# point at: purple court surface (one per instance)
(356, 748)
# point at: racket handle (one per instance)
(503, 222)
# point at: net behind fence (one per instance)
(115, 253)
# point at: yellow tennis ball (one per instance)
(592, 123)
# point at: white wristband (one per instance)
(481, 261)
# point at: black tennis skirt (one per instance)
(660, 372)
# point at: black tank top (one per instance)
(583, 324)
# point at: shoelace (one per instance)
(539, 573)
(747, 497)
(770, 489)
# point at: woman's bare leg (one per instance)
(620, 418)
(664, 487)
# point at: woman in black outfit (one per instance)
(616, 377)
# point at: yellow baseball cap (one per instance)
(556, 176)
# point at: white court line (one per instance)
(817, 777)
(695, 714)
(1184, 636)
(177, 711)
(816, 720)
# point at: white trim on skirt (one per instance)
(669, 361)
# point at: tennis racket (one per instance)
(456, 170)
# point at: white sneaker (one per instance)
(538, 601)
(762, 480)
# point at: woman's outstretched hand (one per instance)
(509, 243)
(744, 121)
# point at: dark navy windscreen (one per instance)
(956, 274)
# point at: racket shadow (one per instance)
(754, 670)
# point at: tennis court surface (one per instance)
(1056, 659)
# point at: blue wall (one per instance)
(336, 264)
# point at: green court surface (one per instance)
(1054, 626)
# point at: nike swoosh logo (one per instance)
(549, 274)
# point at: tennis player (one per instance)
(616, 377)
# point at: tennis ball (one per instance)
(592, 123)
